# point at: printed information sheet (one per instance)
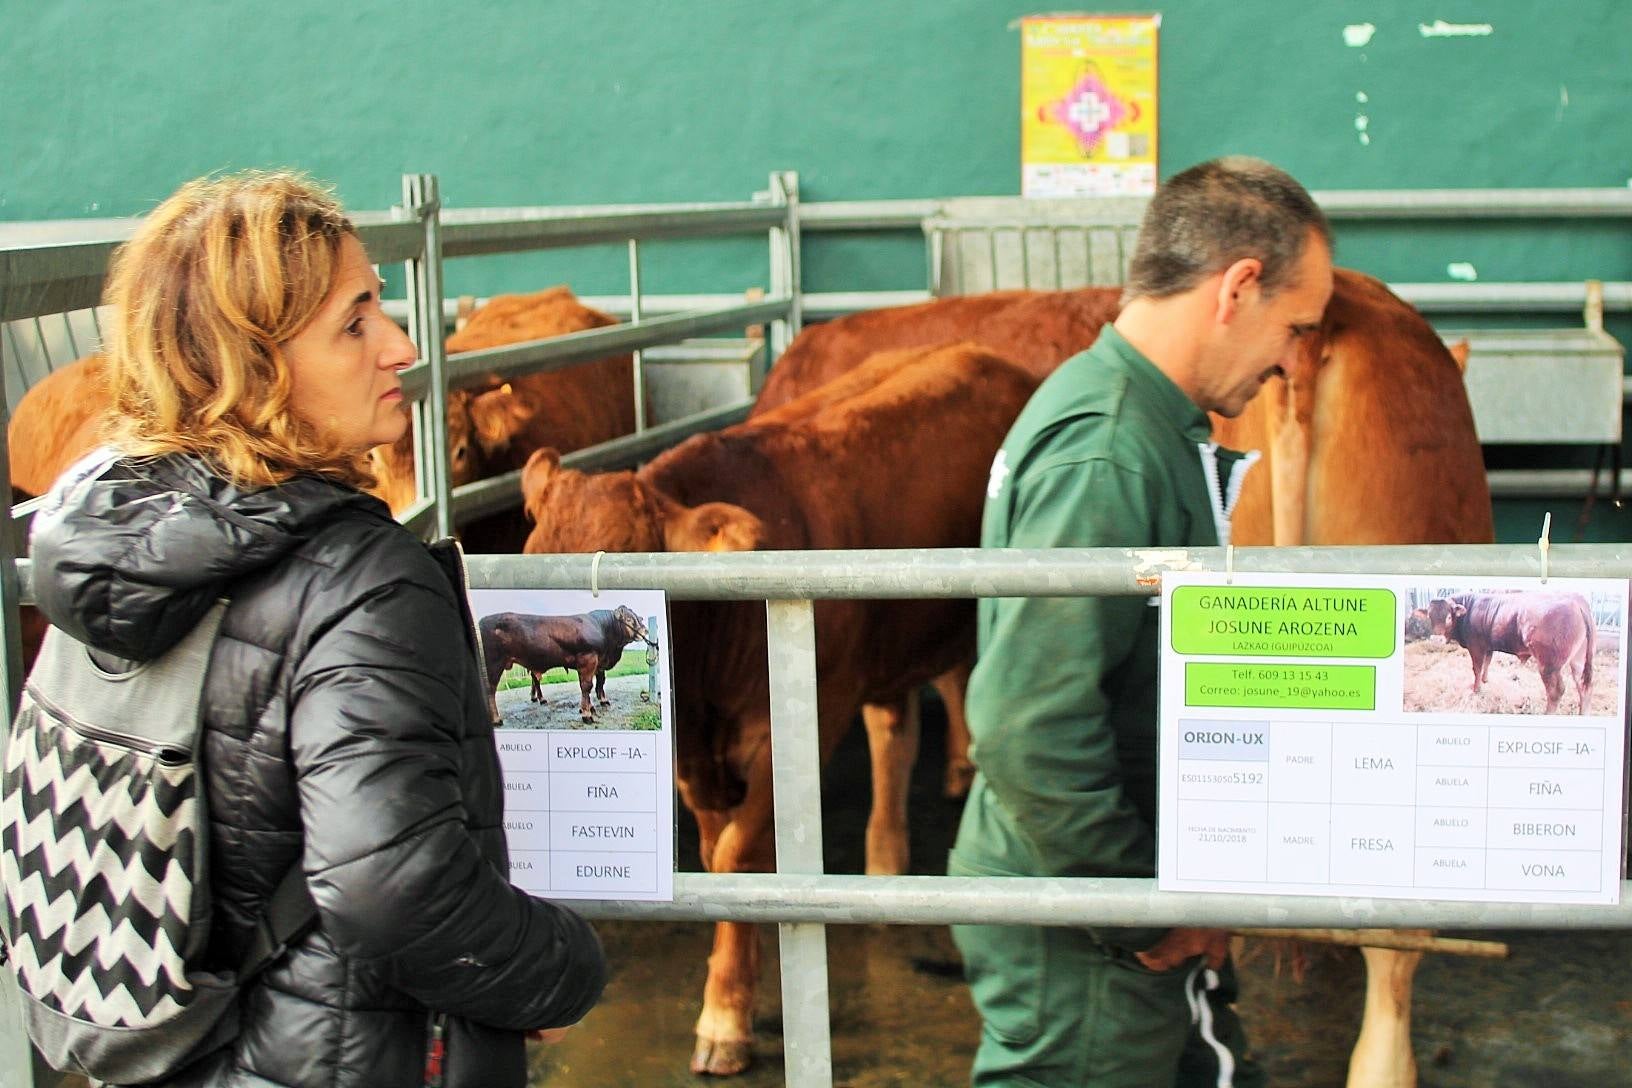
(1438, 738)
(582, 685)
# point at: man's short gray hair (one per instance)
(1206, 218)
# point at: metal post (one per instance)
(784, 243)
(421, 198)
(796, 288)
(18, 1067)
(634, 319)
(11, 652)
(797, 777)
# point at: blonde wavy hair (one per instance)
(204, 297)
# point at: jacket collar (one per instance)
(1171, 403)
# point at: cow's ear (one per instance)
(496, 416)
(713, 527)
(541, 467)
(1459, 352)
(1458, 609)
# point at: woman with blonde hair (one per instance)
(346, 731)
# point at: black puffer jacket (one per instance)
(346, 730)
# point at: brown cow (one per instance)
(57, 421)
(589, 644)
(1557, 629)
(1368, 440)
(1375, 387)
(861, 463)
(1037, 329)
(492, 428)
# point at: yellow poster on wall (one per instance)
(1088, 105)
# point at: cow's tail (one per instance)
(1592, 646)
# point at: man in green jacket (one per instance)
(1231, 272)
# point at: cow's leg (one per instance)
(892, 741)
(745, 843)
(1382, 1055)
(1553, 680)
(538, 686)
(600, 688)
(1480, 662)
(1289, 470)
(960, 770)
(1581, 673)
(586, 681)
(711, 824)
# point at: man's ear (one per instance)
(1241, 280)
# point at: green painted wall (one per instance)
(110, 104)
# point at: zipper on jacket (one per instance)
(436, 1050)
(475, 632)
(167, 754)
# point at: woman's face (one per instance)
(345, 361)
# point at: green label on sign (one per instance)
(1275, 622)
(1289, 687)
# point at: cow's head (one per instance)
(496, 417)
(576, 511)
(633, 624)
(393, 465)
(1443, 613)
(1417, 626)
(620, 512)
(712, 527)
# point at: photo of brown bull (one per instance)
(1556, 629)
(589, 644)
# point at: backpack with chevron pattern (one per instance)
(104, 848)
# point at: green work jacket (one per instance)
(1062, 703)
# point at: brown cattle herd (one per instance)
(877, 430)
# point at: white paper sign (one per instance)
(1322, 735)
(588, 804)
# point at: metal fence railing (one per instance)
(802, 900)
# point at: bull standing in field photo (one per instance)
(589, 644)
(1557, 630)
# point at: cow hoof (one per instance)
(722, 1058)
(588, 719)
(606, 702)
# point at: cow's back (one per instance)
(1037, 330)
(1392, 456)
(57, 422)
(1551, 627)
(893, 454)
(567, 409)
